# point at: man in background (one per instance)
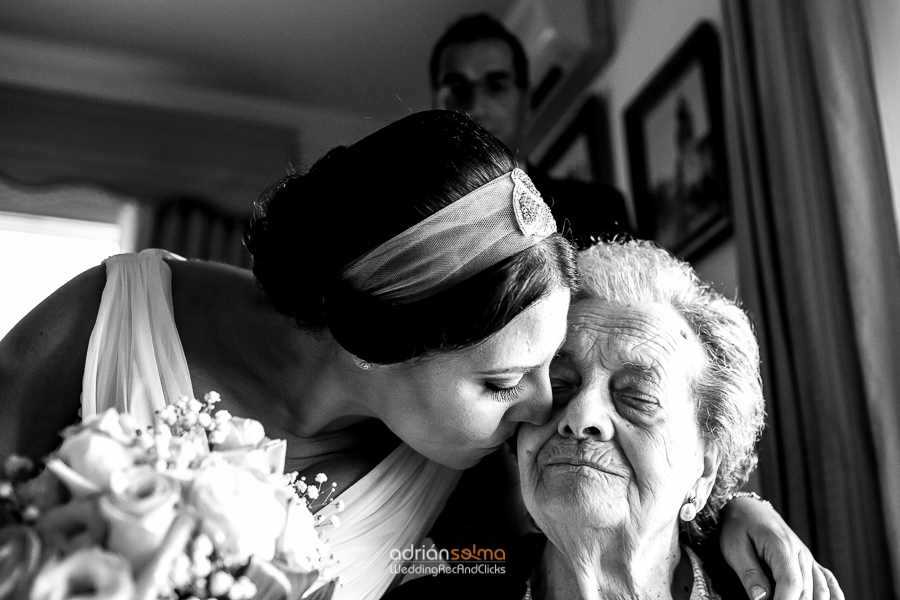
(479, 68)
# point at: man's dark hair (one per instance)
(475, 28)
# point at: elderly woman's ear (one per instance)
(702, 489)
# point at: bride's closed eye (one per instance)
(503, 392)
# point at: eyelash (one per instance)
(507, 395)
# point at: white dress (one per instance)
(136, 363)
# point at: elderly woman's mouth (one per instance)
(584, 465)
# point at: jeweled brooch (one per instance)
(532, 214)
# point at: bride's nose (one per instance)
(535, 406)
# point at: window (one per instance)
(39, 254)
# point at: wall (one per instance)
(647, 33)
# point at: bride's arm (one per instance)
(755, 539)
(41, 366)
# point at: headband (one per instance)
(495, 221)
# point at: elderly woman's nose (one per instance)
(588, 415)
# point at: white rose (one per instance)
(239, 509)
(93, 451)
(139, 512)
(243, 433)
(267, 459)
(88, 574)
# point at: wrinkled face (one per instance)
(622, 447)
(478, 79)
(458, 407)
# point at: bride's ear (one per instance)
(704, 485)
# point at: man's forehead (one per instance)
(477, 58)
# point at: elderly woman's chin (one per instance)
(587, 483)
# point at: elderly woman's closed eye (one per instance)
(659, 406)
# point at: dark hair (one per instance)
(308, 227)
(474, 28)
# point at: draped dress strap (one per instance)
(135, 360)
(391, 508)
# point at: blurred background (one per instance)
(759, 140)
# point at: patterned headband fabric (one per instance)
(496, 221)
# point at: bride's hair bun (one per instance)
(309, 226)
(292, 242)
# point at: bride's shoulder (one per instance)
(41, 365)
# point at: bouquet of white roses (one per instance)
(194, 507)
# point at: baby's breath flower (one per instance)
(181, 571)
(203, 546)
(31, 513)
(243, 589)
(6, 489)
(17, 466)
(335, 520)
(220, 583)
(194, 405)
(182, 403)
(168, 415)
(222, 415)
(339, 506)
(301, 487)
(144, 441)
(312, 492)
(190, 419)
(217, 436)
(204, 419)
(321, 478)
(212, 397)
(201, 567)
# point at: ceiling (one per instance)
(356, 57)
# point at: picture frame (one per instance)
(583, 151)
(676, 150)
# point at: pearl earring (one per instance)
(364, 365)
(688, 510)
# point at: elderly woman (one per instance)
(660, 405)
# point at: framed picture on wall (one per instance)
(676, 150)
(583, 151)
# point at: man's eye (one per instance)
(498, 85)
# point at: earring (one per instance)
(688, 510)
(364, 365)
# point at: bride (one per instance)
(408, 293)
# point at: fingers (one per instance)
(747, 566)
(820, 584)
(788, 574)
(804, 558)
(834, 588)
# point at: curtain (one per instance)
(820, 273)
(195, 228)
